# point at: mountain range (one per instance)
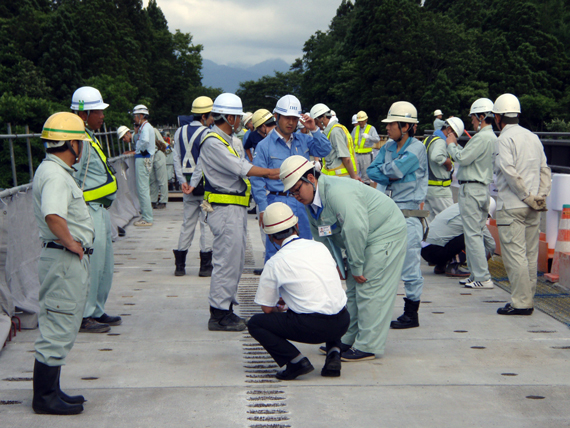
(228, 77)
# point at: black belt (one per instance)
(280, 193)
(87, 251)
(470, 181)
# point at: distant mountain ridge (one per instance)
(228, 77)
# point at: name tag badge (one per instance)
(325, 231)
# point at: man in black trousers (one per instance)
(304, 274)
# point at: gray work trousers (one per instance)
(101, 263)
(229, 227)
(142, 169)
(158, 180)
(519, 233)
(64, 281)
(436, 204)
(474, 209)
(193, 213)
(363, 161)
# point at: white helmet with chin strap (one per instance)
(457, 125)
(481, 106)
(278, 217)
(288, 105)
(292, 169)
(141, 109)
(87, 98)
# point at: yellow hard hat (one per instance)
(202, 105)
(61, 127)
(361, 116)
(260, 117)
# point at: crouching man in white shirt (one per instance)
(312, 304)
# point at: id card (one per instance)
(325, 231)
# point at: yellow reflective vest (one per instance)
(359, 143)
(341, 171)
(110, 185)
(226, 198)
(432, 179)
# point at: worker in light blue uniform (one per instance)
(66, 231)
(274, 149)
(99, 185)
(144, 154)
(401, 171)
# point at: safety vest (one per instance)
(110, 185)
(341, 171)
(359, 144)
(432, 179)
(214, 197)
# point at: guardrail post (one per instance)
(112, 152)
(30, 154)
(12, 157)
(108, 150)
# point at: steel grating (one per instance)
(549, 298)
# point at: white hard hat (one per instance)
(121, 131)
(318, 110)
(333, 113)
(508, 105)
(457, 125)
(354, 120)
(247, 116)
(278, 217)
(292, 169)
(228, 104)
(288, 105)
(402, 111)
(482, 105)
(492, 207)
(362, 116)
(141, 109)
(438, 112)
(87, 98)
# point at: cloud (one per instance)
(249, 31)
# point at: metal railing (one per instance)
(108, 138)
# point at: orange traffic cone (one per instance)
(562, 244)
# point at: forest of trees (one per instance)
(443, 55)
(49, 48)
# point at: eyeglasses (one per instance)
(297, 191)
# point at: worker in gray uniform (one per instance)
(438, 121)
(475, 173)
(186, 151)
(97, 180)
(67, 232)
(226, 198)
(158, 179)
(439, 196)
(523, 182)
(364, 136)
(144, 153)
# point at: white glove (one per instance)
(537, 203)
(365, 136)
(206, 207)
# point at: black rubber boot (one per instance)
(46, 397)
(225, 320)
(70, 399)
(410, 317)
(180, 262)
(206, 267)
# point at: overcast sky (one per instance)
(249, 31)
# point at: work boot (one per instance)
(70, 399)
(89, 325)
(111, 320)
(180, 262)
(332, 365)
(225, 320)
(410, 317)
(46, 398)
(206, 267)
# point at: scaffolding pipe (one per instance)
(12, 157)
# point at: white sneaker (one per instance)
(465, 281)
(142, 223)
(480, 284)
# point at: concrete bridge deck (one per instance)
(465, 366)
